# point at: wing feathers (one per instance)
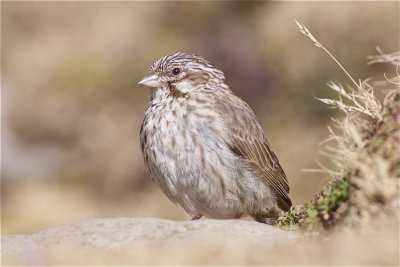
(259, 156)
(250, 142)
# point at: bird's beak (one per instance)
(150, 80)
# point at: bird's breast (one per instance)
(184, 136)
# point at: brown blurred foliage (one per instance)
(71, 109)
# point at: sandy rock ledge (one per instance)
(147, 241)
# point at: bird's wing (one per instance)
(248, 140)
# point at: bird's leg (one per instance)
(196, 217)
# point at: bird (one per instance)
(204, 146)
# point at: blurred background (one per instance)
(71, 109)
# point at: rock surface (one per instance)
(146, 241)
(151, 241)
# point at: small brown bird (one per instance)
(205, 147)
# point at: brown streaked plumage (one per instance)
(205, 147)
(251, 143)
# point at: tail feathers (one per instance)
(284, 203)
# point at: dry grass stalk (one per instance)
(365, 149)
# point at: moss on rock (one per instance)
(367, 187)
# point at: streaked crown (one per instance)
(186, 63)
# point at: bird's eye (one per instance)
(176, 71)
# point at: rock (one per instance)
(146, 241)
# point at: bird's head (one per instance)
(182, 72)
